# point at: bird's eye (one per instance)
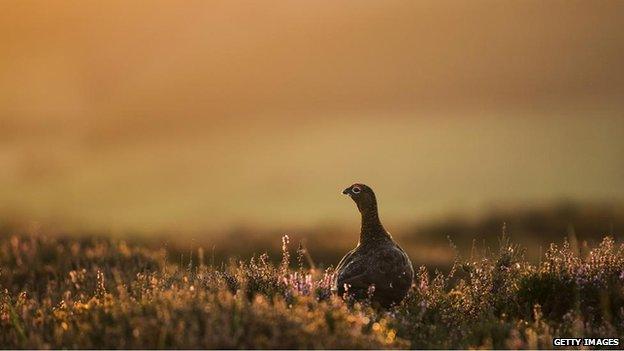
(356, 190)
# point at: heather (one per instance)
(97, 292)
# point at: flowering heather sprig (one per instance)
(300, 284)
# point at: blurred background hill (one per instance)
(222, 119)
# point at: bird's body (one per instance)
(377, 266)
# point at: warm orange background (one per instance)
(144, 115)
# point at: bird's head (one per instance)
(362, 195)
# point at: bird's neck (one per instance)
(372, 229)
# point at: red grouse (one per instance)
(377, 265)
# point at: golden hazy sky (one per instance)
(163, 113)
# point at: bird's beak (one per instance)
(346, 191)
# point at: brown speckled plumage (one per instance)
(377, 259)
